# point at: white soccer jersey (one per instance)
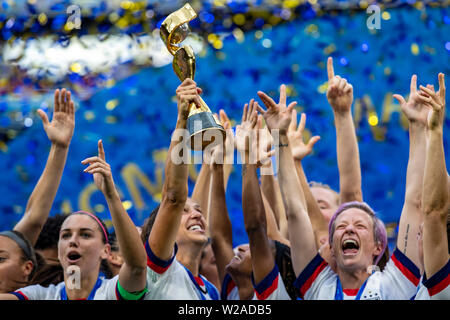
(437, 287)
(398, 281)
(229, 289)
(271, 287)
(170, 280)
(104, 289)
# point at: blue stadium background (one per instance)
(136, 132)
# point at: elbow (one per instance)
(348, 196)
(438, 208)
(138, 270)
(175, 197)
(255, 229)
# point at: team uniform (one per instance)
(398, 281)
(270, 288)
(104, 289)
(437, 287)
(229, 289)
(170, 280)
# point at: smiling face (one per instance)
(353, 241)
(14, 270)
(193, 225)
(81, 243)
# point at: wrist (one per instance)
(436, 133)
(216, 167)
(342, 114)
(60, 147)
(283, 140)
(416, 126)
(181, 122)
(111, 193)
(245, 157)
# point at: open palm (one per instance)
(295, 135)
(60, 129)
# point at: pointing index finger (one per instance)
(101, 151)
(330, 68)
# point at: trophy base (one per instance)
(204, 129)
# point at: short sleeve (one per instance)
(438, 285)
(36, 292)
(400, 278)
(156, 264)
(271, 287)
(309, 281)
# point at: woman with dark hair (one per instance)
(83, 245)
(17, 261)
(175, 233)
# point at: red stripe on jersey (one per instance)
(406, 272)
(22, 294)
(351, 292)
(266, 293)
(440, 286)
(230, 286)
(155, 267)
(311, 279)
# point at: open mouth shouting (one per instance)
(350, 247)
(73, 257)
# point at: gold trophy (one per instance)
(173, 31)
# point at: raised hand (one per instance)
(229, 137)
(262, 149)
(340, 92)
(60, 129)
(414, 109)
(435, 101)
(101, 170)
(187, 92)
(278, 116)
(295, 136)
(245, 132)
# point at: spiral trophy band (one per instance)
(173, 31)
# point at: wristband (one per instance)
(124, 294)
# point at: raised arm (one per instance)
(301, 236)
(175, 189)
(59, 131)
(132, 276)
(271, 189)
(299, 151)
(435, 197)
(412, 217)
(220, 228)
(229, 146)
(252, 202)
(340, 97)
(203, 188)
(201, 192)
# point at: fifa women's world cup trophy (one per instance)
(202, 124)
